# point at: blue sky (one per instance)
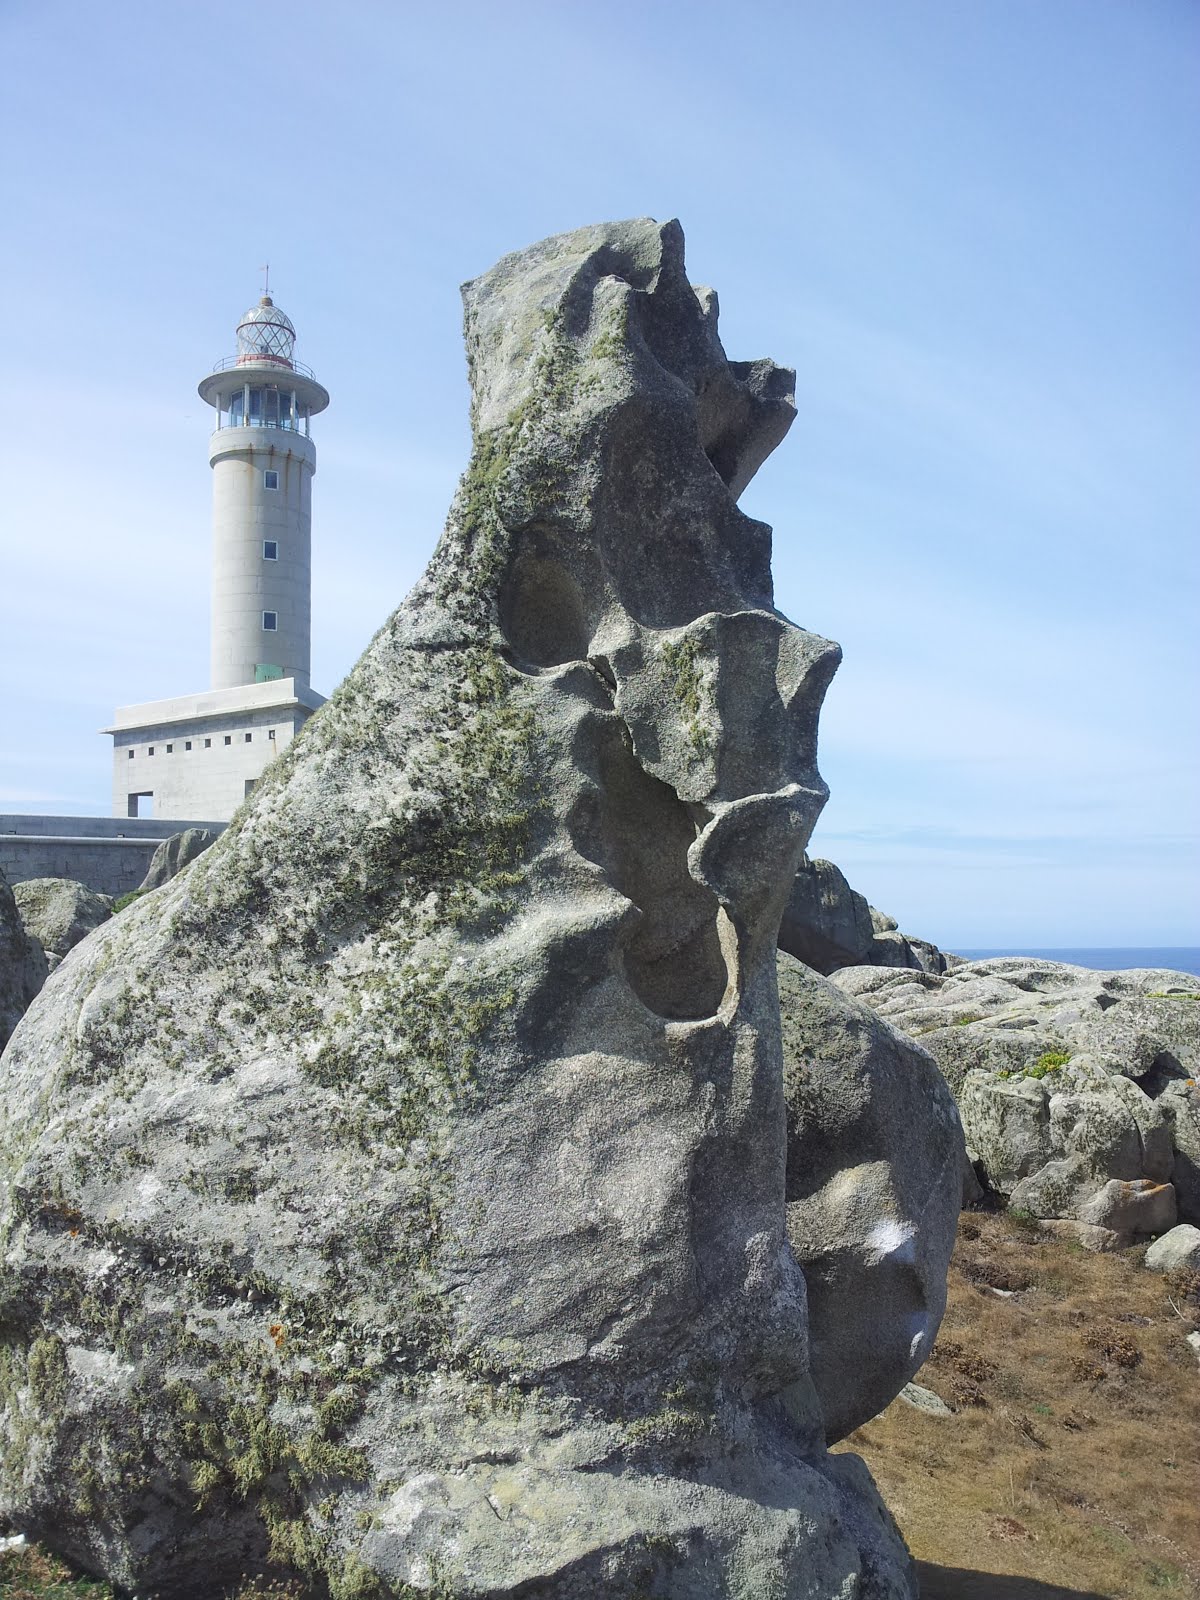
(972, 225)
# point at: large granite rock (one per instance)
(875, 1237)
(400, 1195)
(1076, 1088)
(828, 925)
(175, 853)
(22, 963)
(59, 912)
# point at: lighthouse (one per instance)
(197, 756)
(263, 460)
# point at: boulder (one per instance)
(1008, 1124)
(399, 1196)
(925, 1400)
(1068, 1080)
(23, 966)
(1134, 1208)
(174, 854)
(825, 923)
(59, 912)
(1180, 1104)
(874, 1238)
(1177, 1249)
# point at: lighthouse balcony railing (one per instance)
(267, 363)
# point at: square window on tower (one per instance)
(270, 550)
(270, 479)
(270, 621)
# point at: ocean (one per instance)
(1108, 958)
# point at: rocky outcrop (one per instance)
(828, 925)
(22, 964)
(875, 1237)
(1076, 1088)
(175, 853)
(401, 1195)
(59, 912)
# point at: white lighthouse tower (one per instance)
(263, 461)
(196, 757)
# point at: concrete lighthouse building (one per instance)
(199, 755)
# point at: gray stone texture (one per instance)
(828, 925)
(401, 1194)
(175, 853)
(1178, 1249)
(1111, 1136)
(59, 913)
(874, 1237)
(23, 965)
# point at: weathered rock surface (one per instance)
(22, 963)
(925, 1400)
(1076, 1088)
(1178, 1248)
(400, 1194)
(874, 1238)
(59, 912)
(175, 853)
(827, 925)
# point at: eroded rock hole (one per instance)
(542, 612)
(639, 831)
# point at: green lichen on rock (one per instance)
(682, 659)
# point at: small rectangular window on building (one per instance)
(131, 755)
(149, 749)
(270, 621)
(228, 738)
(187, 744)
(208, 744)
(270, 479)
(270, 733)
(170, 749)
(249, 736)
(270, 549)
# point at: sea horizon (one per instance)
(1102, 958)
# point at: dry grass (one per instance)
(1072, 1463)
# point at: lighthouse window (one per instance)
(270, 480)
(131, 755)
(270, 621)
(270, 550)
